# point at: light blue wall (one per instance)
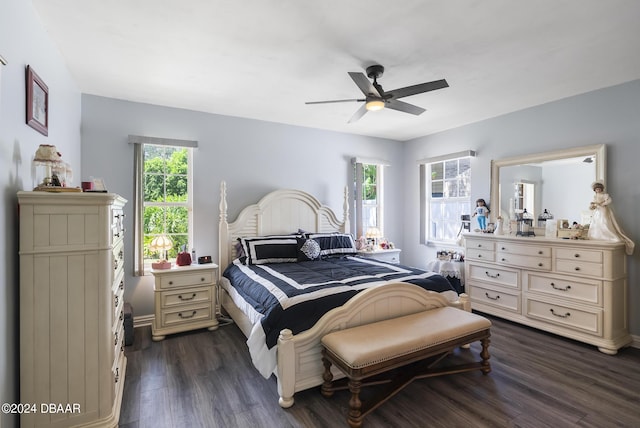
(607, 116)
(252, 156)
(24, 42)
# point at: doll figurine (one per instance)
(603, 223)
(481, 211)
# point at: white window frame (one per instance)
(452, 207)
(140, 267)
(359, 205)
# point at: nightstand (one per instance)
(391, 255)
(185, 299)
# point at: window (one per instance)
(446, 190)
(368, 197)
(164, 183)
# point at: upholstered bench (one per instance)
(372, 354)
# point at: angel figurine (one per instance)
(603, 223)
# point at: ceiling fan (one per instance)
(377, 99)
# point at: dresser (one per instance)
(573, 288)
(185, 299)
(71, 308)
(391, 255)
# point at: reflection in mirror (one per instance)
(558, 181)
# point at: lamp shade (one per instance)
(47, 154)
(373, 232)
(160, 243)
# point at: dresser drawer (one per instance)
(117, 257)
(527, 262)
(494, 275)
(477, 244)
(499, 299)
(585, 320)
(185, 296)
(580, 268)
(525, 250)
(188, 315)
(185, 279)
(474, 254)
(583, 290)
(592, 256)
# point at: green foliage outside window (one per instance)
(165, 197)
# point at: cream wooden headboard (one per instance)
(279, 212)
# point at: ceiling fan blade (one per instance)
(403, 107)
(418, 89)
(364, 84)
(336, 101)
(358, 114)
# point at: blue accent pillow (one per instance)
(270, 249)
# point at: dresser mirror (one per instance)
(558, 181)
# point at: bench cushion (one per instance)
(374, 343)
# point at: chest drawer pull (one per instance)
(122, 285)
(540, 252)
(576, 255)
(567, 315)
(202, 280)
(577, 268)
(492, 298)
(491, 276)
(117, 376)
(187, 298)
(540, 264)
(187, 316)
(567, 288)
(170, 282)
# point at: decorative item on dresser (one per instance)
(71, 307)
(391, 255)
(576, 289)
(185, 299)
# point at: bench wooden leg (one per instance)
(355, 405)
(484, 354)
(327, 376)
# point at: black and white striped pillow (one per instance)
(332, 244)
(270, 249)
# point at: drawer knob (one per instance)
(479, 256)
(576, 255)
(555, 287)
(491, 276)
(170, 282)
(492, 298)
(201, 279)
(187, 316)
(540, 264)
(503, 248)
(503, 259)
(566, 315)
(540, 252)
(577, 268)
(479, 245)
(187, 298)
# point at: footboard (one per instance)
(299, 357)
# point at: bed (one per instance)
(295, 359)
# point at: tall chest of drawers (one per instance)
(573, 288)
(71, 308)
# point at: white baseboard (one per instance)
(143, 320)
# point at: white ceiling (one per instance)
(263, 59)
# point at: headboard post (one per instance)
(223, 230)
(345, 219)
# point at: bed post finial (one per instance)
(223, 231)
(345, 219)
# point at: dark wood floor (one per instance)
(205, 379)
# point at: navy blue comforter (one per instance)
(297, 295)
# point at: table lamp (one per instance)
(374, 234)
(161, 243)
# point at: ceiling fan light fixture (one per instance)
(374, 104)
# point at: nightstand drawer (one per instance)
(188, 315)
(185, 279)
(186, 296)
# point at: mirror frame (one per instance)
(599, 150)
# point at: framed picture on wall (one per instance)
(37, 102)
